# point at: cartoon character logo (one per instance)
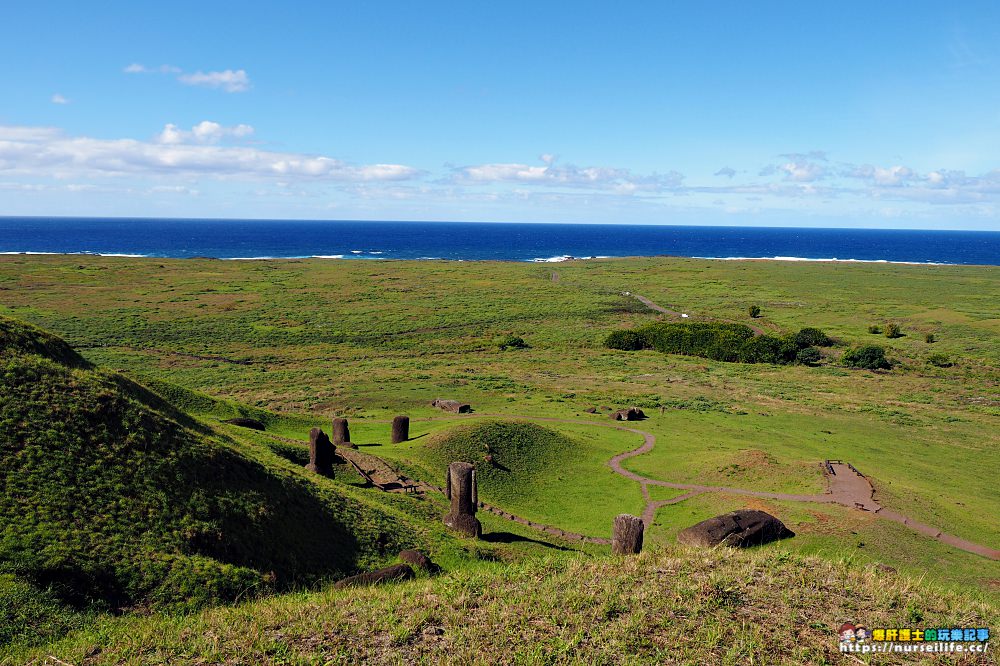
(862, 633)
(846, 632)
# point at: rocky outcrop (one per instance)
(629, 414)
(742, 528)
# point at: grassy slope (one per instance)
(370, 339)
(670, 606)
(113, 498)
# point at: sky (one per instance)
(847, 114)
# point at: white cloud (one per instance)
(136, 68)
(45, 152)
(204, 132)
(229, 80)
(59, 99)
(599, 178)
(728, 172)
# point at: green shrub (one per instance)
(625, 340)
(892, 330)
(808, 356)
(718, 341)
(940, 360)
(869, 357)
(511, 342)
(928, 338)
(874, 329)
(754, 311)
(812, 337)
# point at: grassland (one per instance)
(673, 606)
(299, 341)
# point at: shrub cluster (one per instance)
(734, 343)
(868, 357)
(511, 342)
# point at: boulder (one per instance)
(391, 574)
(629, 414)
(452, 406)
(742, 528)
(245, 422)
(418, 560)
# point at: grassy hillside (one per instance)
(674, 606)
(112, 499)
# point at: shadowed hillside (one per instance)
(112, 498)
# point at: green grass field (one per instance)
(296, 342)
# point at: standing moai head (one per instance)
(626, 535)
(341, 431)
(463, 492)
(321, 453)
(400, 429)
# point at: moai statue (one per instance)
(464, 496)
(400, 429)
(341, 431)
(321, 453)
(626, 535)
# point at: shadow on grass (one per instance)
(509, 537)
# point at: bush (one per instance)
(754, 311)
(626, 340)
(869, 357)
(874, 329)
(940, 360)
(721, 342)
(733, 343)
(511, 342)
(928, 338)
(808, 356)
(892, 330)
(812, 337)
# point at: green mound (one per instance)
(113, 498)
(18, 337)
(509, 455)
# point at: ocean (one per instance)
(466, 241)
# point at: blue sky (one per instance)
(848, 114)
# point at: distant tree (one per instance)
(892, 330)
(754, 311)
(928, 337)
(808, 356)
(869, 357)
(812, 337)
(874, 328)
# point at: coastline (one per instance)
(379, 256)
